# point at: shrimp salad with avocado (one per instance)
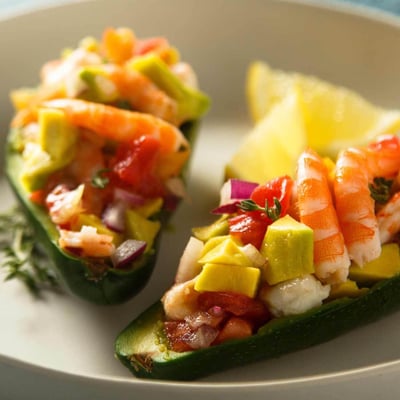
(289, 245)
(102, 143)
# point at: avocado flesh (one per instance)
(140, 345)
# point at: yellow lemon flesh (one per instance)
(324, 117)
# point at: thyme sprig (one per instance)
(380, 189)
(272, 212)
(99, 179)
(19, 255)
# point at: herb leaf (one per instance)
(272, 212)
(380, 190)
(20, 257)
(99, 180)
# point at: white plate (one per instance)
(61, 347)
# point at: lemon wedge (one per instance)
(292, 111)
(273, 146)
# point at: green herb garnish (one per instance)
(380, 190)
(99, 180)
(20, 256)
(273, 212)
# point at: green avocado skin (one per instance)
(274, 339)
(112, 287)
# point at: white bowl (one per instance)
(61, 347)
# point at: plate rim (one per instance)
(363, 11)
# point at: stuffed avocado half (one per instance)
(287, 264)
(97, 154)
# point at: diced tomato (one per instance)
(237, 304)
(177, 332)
(235, 328)
(249, 227)
(144, 46)
(279, 188)
(38, 197)
(135, 165)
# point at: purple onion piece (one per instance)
(229, 208)
(130, 198)
(242, 189)
(127, 252)
(114, 217)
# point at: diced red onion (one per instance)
(199, 318)
(176, 186)
(228, 208)
(114, 216)
(127, 252)
(130, 198)
(236, 189)
(202, 337)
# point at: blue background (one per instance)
(10, 6)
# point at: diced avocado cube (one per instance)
(192, 103)
(141, 228)
(217, 228)
(288, 247)
(150, 208)
(348, 288)
(213, 242)
(385, 266)
(99, 88)
(53, 151)
(57, 136)
(228, 278)
(226, 252)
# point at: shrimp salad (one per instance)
(287, 246)
(102, 142)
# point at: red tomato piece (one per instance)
(135, 165)
(235, 328)
(249, 227)
(177, 332)
(237, 304)
(278, 188)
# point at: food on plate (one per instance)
(304, 111)
(96, 156)
(287, 264)
(304, 249)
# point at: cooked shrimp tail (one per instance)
(355, 206)
(316, 210)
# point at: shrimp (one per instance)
(383, 156)
(142, 94)
(316, 210)
(121, 125)
(388, 219)
(180, 300)
(355, 206)
(91, 243)
(64, 205)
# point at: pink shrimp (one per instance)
(88, 240)
(383, 156)
(142, 94)
(355, 206)
(388, 219)
(316, 210)
(121, 125)
(355, 171)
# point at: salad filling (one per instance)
(288, 246)
(102, 143)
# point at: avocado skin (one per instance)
(277, 337)
(109, 288)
